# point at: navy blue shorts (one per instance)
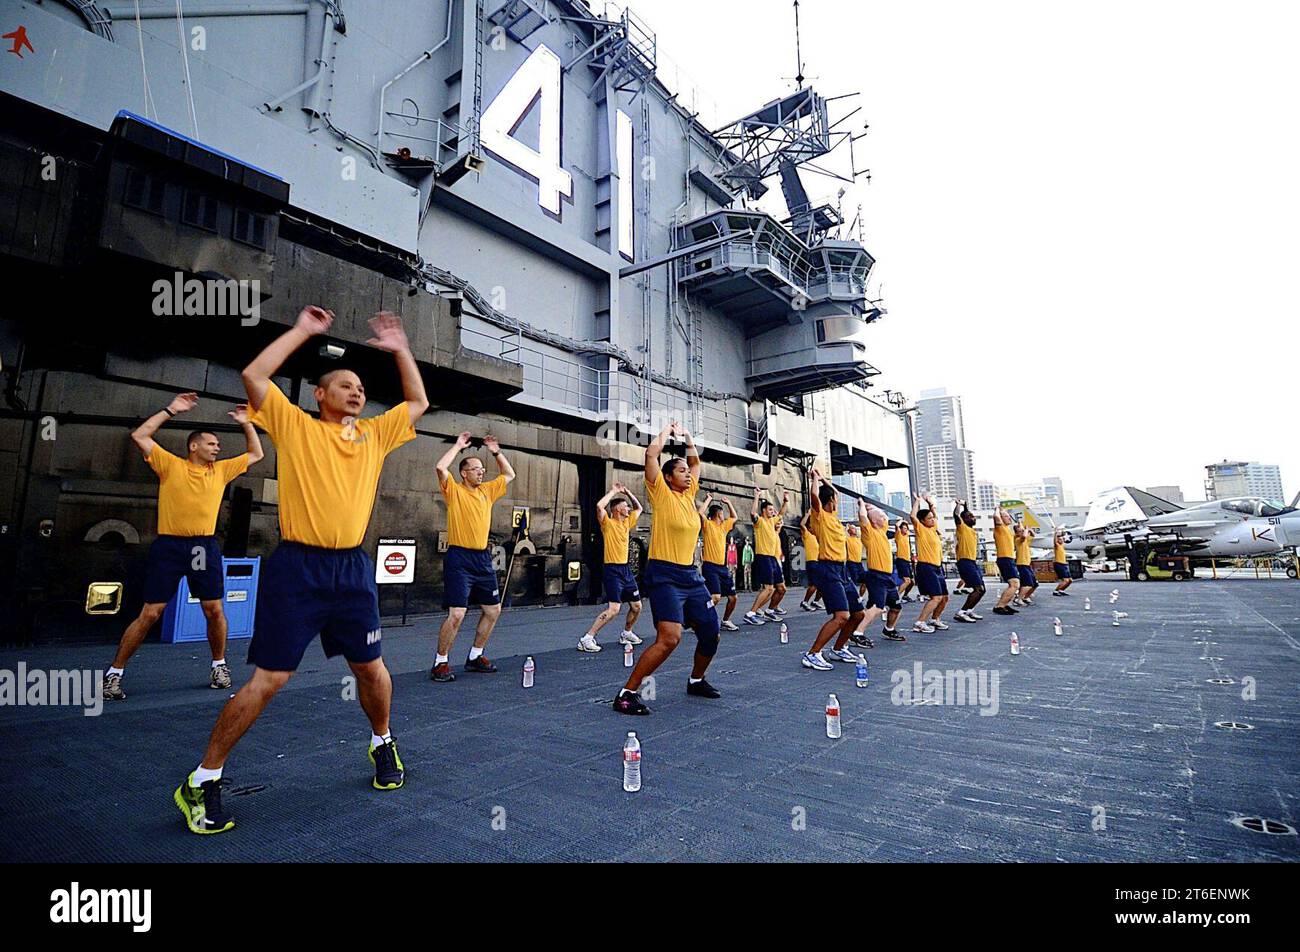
(882, 591)
(767, 570)
(930, 580)
(677, 594)
(970, 573)
(833, 585)
(173, 557)
(304, 592)
(857, 572)
(1062, 570)
(718, 579)
(620, 584)
(902, 569)
(468, 578)
(1007, 568)
(1027, 579)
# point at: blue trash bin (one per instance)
(183, 618)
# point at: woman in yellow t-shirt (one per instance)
(767, 560)
(811, 550)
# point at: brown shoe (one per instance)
(441, 672)
(480, 664)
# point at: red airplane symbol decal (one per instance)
(19, 36)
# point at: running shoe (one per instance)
(937, 625)
(893, 635)
(807, 606)
(627, 702)
(728, 625)
(201, 807)
(628, 638)
(778, 610)
(588, 643)
(441, 672)
(923, 627)
(971, 614)
(861, 641)
(816, 662)
(773, 614)
(481, 665)
(963, 617)
(843, 654)
(113, 688)
(220, 677)
(702, 688)
(752, 619)
(389, 772)
(1066, 594)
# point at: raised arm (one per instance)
(142, 435)
(785, 504)
(692, 454)
(653, 451)
(816, 478)
(312, 320)
(602, 513)
(503, 464)
(703, 507)
(753, 509)
(730, 508)
(389, 336)
(864, 513)
(443, 466)
(956, 511)
(240, 416)
(632, 500)
(916, 507)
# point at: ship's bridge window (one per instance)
(144, 191)
(834, 330)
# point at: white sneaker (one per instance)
(807, 607)
(1016, 603)
(816, 662)
(729, 625)
(774, 615)
(628, 638)
(937, 625)
(779, 611)
(588, 643)
(963, 617)
(970, 614)
(752, 619)
(922, 626)
(843, 654)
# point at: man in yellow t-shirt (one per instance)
(929, 567)
(831, 578)
(468, 577)
(810, 602)
(767, 560)
(1004, 545)
(189, 496)
(1025, 567)
(967, 566)
(903, 561)
(617, 518)
(677, 593)
(318, 581)
(882, 588)
(713, 562)
(1059, 564)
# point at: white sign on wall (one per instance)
(395, 562)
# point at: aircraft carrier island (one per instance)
(576, 257)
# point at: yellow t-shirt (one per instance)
(328, 472)
(853, 545)
(967, 543)
(469, 511)
(765, 536)
(715, 540)
(189, 496)
(1003, 541)
(877, 546)
(1058, 552)
(674, 522)
(1023, 556)
(928, 547)
(810, 546)
(903, 545)
(616, 532)
(830, 536)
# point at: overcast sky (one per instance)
(1086, 216)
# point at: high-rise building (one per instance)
(900, 501)
(986, 495)
(1047, 492)
(876, 491)
(944, 466)
(1227, 479)
(1172, 494)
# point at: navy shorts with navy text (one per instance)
(468, 578)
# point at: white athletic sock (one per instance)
(440, 659)
(377, 741)
(474, 652)
(117, 671)
(695, 680)
(202, 775)
(626, 633)
(217, 664)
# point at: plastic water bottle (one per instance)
(861, 671)
(1087, 603)
(627, 656)
(529, 668)
(1114, 595)
(1015, 644)
(632, 763)
(785, 634)
(833, 716)
(1056, 624)
(1116, 616)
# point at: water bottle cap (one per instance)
(631, 733)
